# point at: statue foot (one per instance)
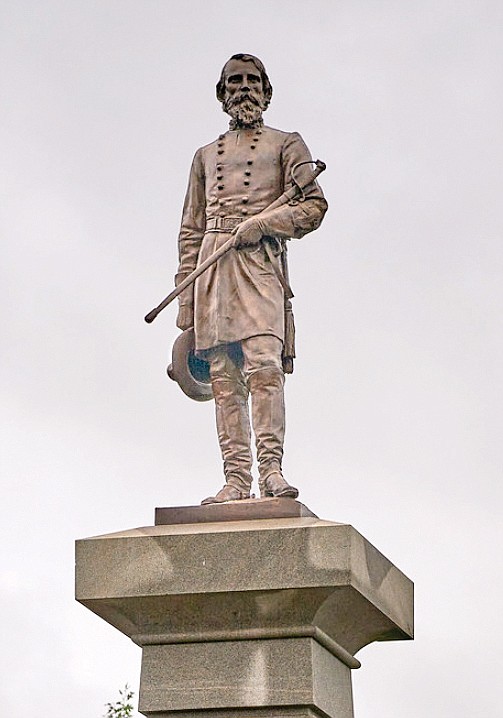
(275, 485)
(227, 493)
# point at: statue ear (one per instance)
(220, 88)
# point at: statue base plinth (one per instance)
(245, 617)
(244, 510)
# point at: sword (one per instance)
(292, 193)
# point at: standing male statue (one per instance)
(237, 306)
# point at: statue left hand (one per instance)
(248, 233)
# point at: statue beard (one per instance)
(245, 109)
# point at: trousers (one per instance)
(249, 368)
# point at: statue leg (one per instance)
(233, 427)
(265, 380)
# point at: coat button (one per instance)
(220, 177)
(244, 211)
(220, 152)
(244, 200)
(220, 186)
(247, 173)
(252, 147)
(249, 162)
(246, 183)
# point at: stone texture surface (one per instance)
(244, 674)
(276, 712)
(237, 615)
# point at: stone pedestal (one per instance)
(245, 618)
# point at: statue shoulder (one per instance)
(280, 134)
(202, 153)
(281, 137)
(211, 145)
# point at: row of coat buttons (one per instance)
(219, 168)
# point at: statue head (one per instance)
(244, 89)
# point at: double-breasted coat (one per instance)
(231, 179)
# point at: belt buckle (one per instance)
(222, 224)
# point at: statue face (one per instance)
(244, 93)
(242, 77)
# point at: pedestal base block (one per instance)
(244, 675)
(276, 712)
(256, 618)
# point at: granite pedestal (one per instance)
(255, 618)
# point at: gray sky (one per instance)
(394, 410)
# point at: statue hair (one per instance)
(266, 85)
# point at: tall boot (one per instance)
(268, 419)
(234, 436)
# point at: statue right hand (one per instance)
(185, 318)
(248, 233)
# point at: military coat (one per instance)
(231, 179)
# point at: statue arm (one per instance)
(190, 237)
(296, 218)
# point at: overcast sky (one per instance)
(394, 410)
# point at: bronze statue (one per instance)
(240, 305)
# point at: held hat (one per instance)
(191, 373)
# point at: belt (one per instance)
(272, 246)
(222, 224)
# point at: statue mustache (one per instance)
(243, 97)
